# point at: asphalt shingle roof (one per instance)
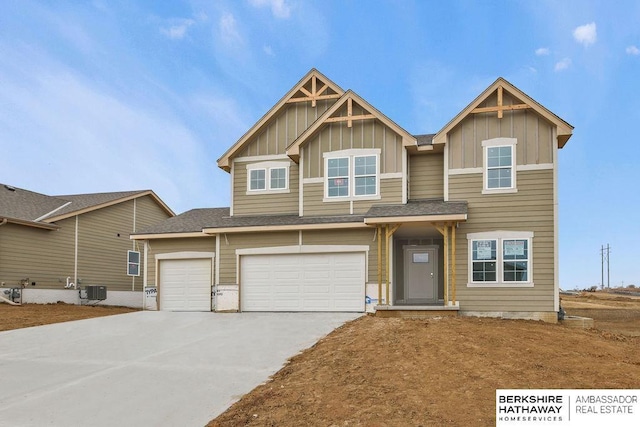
(418, 208)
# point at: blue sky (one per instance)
(122, 95)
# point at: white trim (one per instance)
(52, 212)
(185, 255)
(318, 180)
(129, 252)
(279, 191)
(494, 143)
(232, 187)
(249, 178)
(446, 171)
(405, 174)
(351, 152)
(351, 155)
(350, 199)
(75, 254)
(556, 231)
(167, 235)
(265, 157)
(292, 227)
(393, 175)
(534, 167)
(217, 262)
(499, 236)
(301, 187)
(465, 171)
(267, 165)
(303, 249)
(417, 218)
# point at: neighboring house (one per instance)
(331, 201)
(51, 246)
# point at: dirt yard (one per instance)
(392, 372)
(24, 316)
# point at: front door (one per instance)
(420, 274)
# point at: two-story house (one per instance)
(334, 207)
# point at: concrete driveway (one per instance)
(146, 368)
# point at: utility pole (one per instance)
(604, 256)
(608, 271)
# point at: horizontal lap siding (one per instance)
(314, 204)
(260, 204)
(426, 176)
(163, 246)
(530, 209)
(347, 237)
(232, 241)
(148, 213)
(45, 257)
(390, 193)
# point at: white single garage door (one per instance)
(185, 285)
(303, 282)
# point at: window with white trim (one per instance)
(352, 174)
(500, 258)
(133, 263)
(268, 177)
(499, 172)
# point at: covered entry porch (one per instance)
(416, 265)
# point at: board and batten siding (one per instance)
(363, 134)
(43, 256)
(426, 176)
(163, 246)
(283, 129)
(533, 132)
(530, 209)
(314, 204)
(264, 203)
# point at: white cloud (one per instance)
(563, 64)
(279, 8)
(632, 50)
(178, 30)
(268, 50)
(543, 51)
(229, 29)
(586, 34)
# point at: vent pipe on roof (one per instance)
(10, 188)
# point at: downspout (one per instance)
(133, 245)
(75, 254)
(144, 274)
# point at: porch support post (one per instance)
(379, 264)
(446, 263)
(453, 262)
(388, 235)
(386, 254)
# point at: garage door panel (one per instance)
(303, 282)
(185, 285)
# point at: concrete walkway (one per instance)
(146, 368)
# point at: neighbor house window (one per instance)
(500, 258)
(352, 174)
(268, 177)
(133, 263)
(499, 172)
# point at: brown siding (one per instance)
(347, 237)
(533, 132)
(363, 134)
(47, 257)
(426, 176)
(163, 246)
(282, 130)
(231, 242)
(530, 209)
(259, 204)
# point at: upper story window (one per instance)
(352, 174)
(500, 258)
(268, 177)
(499, 172)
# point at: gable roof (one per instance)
(33, 209)
(296, 94)
(564, 129)
(293, 150)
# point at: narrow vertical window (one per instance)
(515, 256)
(499, 167)
(484, 258)
(133, 263)
(365, 175)
(338, 177)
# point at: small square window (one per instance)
(278, 178)
(257, 180)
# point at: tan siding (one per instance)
(258, 204)
(163, 246)
(148, 213)
(390, 192)
(533, 132)
(426, 178)
(530, 209)
(313, 204)
(347, 237)
(43, 256)
(231, 242)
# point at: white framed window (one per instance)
(133, 263)
(499, 171)
(268, 177)
(352, 174)
(500, 258)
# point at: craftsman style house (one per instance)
(334, 207)
(51, 247)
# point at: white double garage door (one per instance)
(271, 282)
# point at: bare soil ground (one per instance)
(393, 372)
(26, 315)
